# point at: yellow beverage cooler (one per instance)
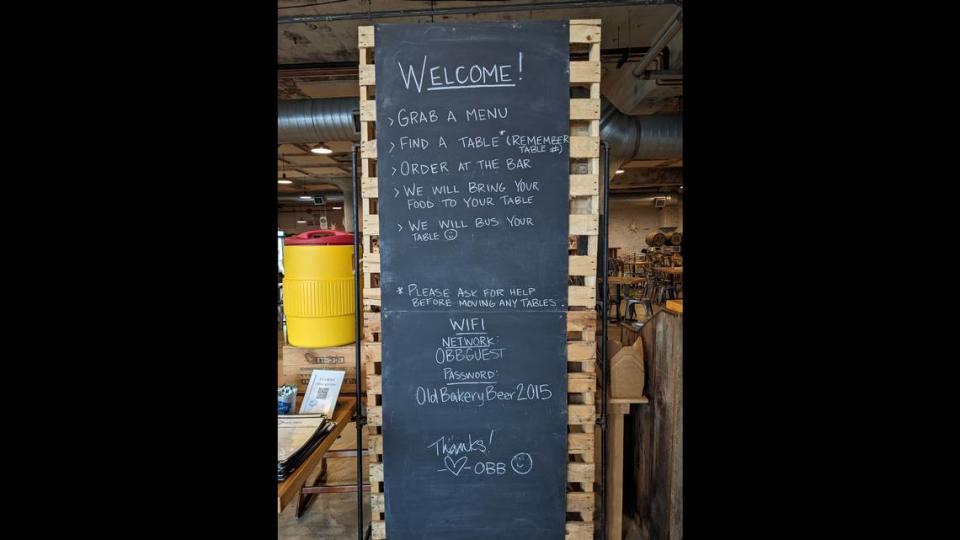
(318, 289)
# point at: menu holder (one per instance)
(297, 437)
(322, 392)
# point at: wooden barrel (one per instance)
(655, 238)
(675, 238)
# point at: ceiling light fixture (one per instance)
(337, 207)
(301, 221)
(320, 148)
(619, 171)
(306, 198)
(284, 180)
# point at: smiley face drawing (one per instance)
(521, 463)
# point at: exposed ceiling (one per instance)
(319, 60)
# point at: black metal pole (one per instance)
(356, 326)
(604, 375)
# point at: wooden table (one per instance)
(619, 281)
(675, 270)
(633, 265)
(292, 487)
(617, 408)
(625, 280)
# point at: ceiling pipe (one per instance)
(371, 15)
(295, 197)
(657, 136)
(668, 199)
(312, 121)
(670, 29)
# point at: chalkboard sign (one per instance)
(473, 170)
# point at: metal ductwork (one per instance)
(657, 200)
(640, 137)
(312, 121)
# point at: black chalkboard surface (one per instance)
(473, 171)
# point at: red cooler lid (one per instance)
(320, 237)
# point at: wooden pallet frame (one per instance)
(581, 317)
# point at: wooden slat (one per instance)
(583, 147)
(370, 188)
(576, 472)
(582, 265)
(369, 267)
(365, 36)
(580, 502)
(583, 224)
(374, 384)
(378, 530)
(578, 443)
(581, 351)
(579, 530)
(371, 352)
(579, 320)
(369, 149)
(584, 185)
(581, 414)
(581, 296)
(580, 72)
(368, 111)
(375, 416)
(376, 472)
(584, 109)
(371, 320)
(371, 225)
(376, 503)
(375, 444)
(578, 383)
(368, 75)
(583, 33)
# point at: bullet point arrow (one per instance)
(394, 171)
(391, 121)
(391, 146)
(397, 193)
(399, 227)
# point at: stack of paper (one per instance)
(297, 437)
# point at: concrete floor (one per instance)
(329, 515)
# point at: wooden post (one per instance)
(659, 428)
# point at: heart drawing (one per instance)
(455, 466)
